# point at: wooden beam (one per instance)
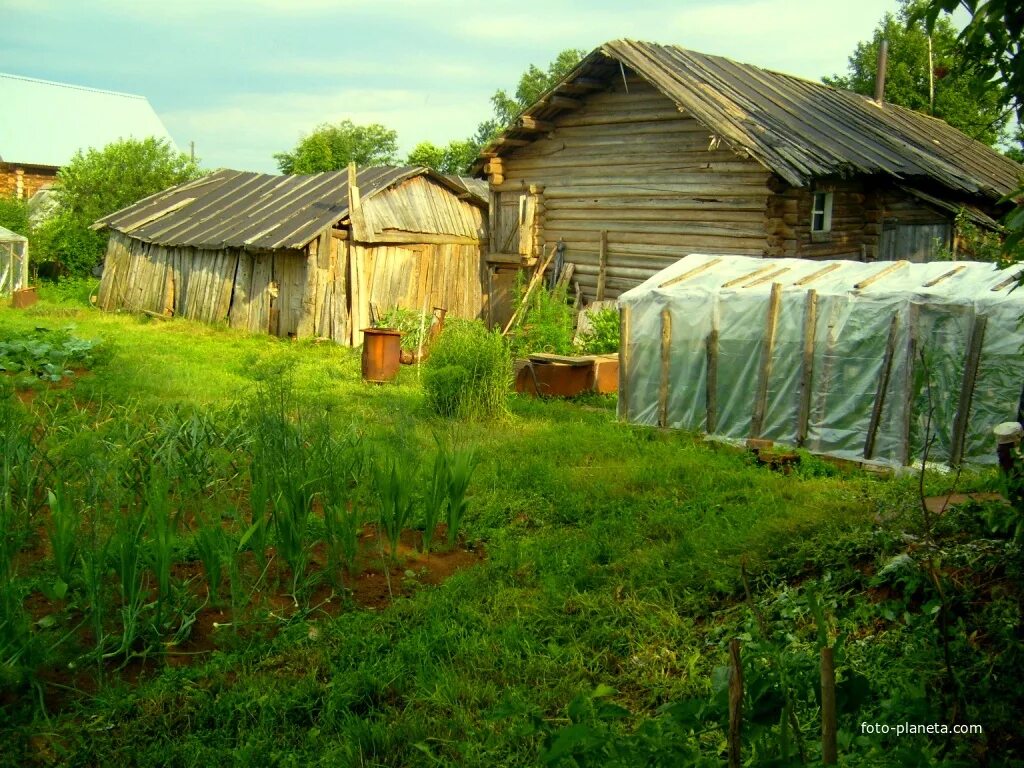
(883, 387)
(602, 267)
(624, 360)
(880, 274)
(666, 352)
(711, 380)
(589, 83)
(505, 141)
(944, 275)
(527, 123)
(766, 278)
(748, 276)
(807, 366)
(563, 102)
(816, 274)
(691, 272)
(908, 384)
(340, 234)
(767, 352)
(963, 407)
(1008, 281)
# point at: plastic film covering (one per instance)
(854, 360)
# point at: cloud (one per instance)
(245, 132)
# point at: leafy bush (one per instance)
(469, 372)
(408, 321)
(603, 335)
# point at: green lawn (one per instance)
(593, 632)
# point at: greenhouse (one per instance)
(13, 262)
(871, 362)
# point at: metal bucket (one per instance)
(382, 353)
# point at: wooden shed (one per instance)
(299, 256)
(645, 153)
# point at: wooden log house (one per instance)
(645, 153)
(299, 256)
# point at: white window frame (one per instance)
(821, 203)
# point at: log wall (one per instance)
(662, 186)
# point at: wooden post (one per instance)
(963, 407)
(666, 351)
(735, 703)
(765, 372)
(829, 751)
(883, 386)
(602, 265)
(807, 366)
(908, 385)
(711, 384)
(624, 355)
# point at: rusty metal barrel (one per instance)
(382, 353)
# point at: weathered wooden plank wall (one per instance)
(442, 274)
(420, 206)
(658, 181)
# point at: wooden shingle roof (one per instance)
(797, 128)
(254, 211)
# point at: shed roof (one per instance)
(45, 123)
(255, 211)
(798, 128)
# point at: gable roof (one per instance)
(797, 128)
(45, 123)
(255, 211)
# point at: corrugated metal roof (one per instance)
(45, 123)
(797, 128)
(255, 211)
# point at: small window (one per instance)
(821, 212)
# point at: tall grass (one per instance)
(394, 479)
(460, 465)
(62, 529)
(469, 372)
(435, 499)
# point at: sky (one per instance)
(244, 79)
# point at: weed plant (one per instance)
(547, 321)
(214, 550)
(469, 372)
(62, 530)
(602, 335)
(394, 478)
(435, 500)
(459, 465)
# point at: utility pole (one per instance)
(192, 147)
(931, 79)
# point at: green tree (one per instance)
(964, 96)
(14, 215)
(532, 85)
(453, 158)
(992, 44)
(333, 147)
(97, 182)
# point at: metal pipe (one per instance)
(883, 63)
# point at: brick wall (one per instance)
(24, 180)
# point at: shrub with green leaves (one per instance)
(602, 337)
(14, 215)
(409, 322)
(469, 372)
(43, 353)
